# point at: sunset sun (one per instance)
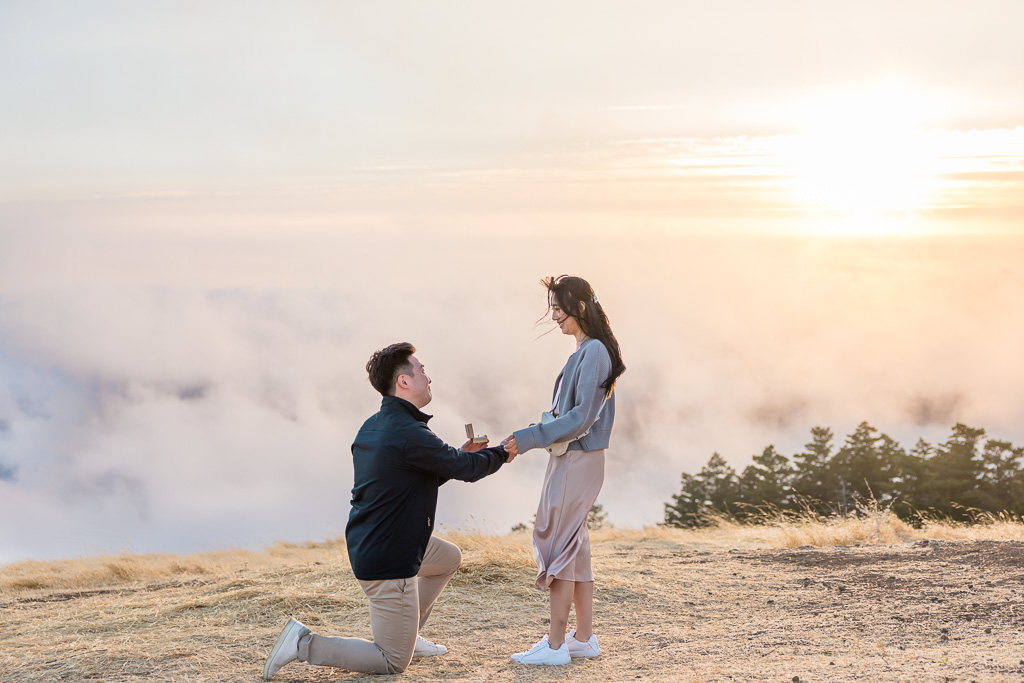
(862, 155)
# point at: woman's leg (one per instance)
(561, 602)
(583, 599)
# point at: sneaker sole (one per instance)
(520, 661)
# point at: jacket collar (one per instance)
(393, 403)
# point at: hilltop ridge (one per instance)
(733, 603)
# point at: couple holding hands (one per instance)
(398, 466)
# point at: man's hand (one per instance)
(511, 447)
(471, 447)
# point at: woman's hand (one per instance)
(511, 447)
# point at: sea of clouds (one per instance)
(166, 389)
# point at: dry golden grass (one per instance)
(854, 599)
(778, 529)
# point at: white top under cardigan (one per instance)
(579, 404)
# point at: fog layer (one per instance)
(173, 390)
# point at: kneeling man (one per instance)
(398, 465)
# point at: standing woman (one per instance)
(583, 410)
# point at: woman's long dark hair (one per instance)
(576, 298)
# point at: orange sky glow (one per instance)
(798, 213)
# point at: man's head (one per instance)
(394, 371)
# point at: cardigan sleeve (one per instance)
(595, 365)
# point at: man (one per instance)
(398, 466)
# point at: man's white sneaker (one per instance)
(542, 653)
(286, 649)
(580, 648)
(425, 648)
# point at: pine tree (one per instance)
(812, 482)
(720, 484)
(684, 510)
(890, 459)
(597, 518)
(908, 477)
(1001, 476)
(768, 480)
(952, 475)
(712, 489)
(858, 467)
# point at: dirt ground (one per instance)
(665, 611)
(931, 611)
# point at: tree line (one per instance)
(955, 479)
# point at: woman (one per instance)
(583, 411)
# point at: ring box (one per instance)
(470, 434)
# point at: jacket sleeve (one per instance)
(428, 453)
(595, 365)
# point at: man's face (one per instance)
(416, 385)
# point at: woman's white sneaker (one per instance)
(582, 648)
(542, 653)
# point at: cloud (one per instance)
(932, 410)
(6, 473)
(158, 99)
(182, 334)
(178, 390)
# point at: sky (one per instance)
(796, 214)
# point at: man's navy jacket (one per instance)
(398, 464)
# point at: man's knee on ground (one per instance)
(396, 665)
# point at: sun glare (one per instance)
(863, 155)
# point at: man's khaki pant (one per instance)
(398, 610)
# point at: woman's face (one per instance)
(566, 323)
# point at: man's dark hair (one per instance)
(386, 365)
